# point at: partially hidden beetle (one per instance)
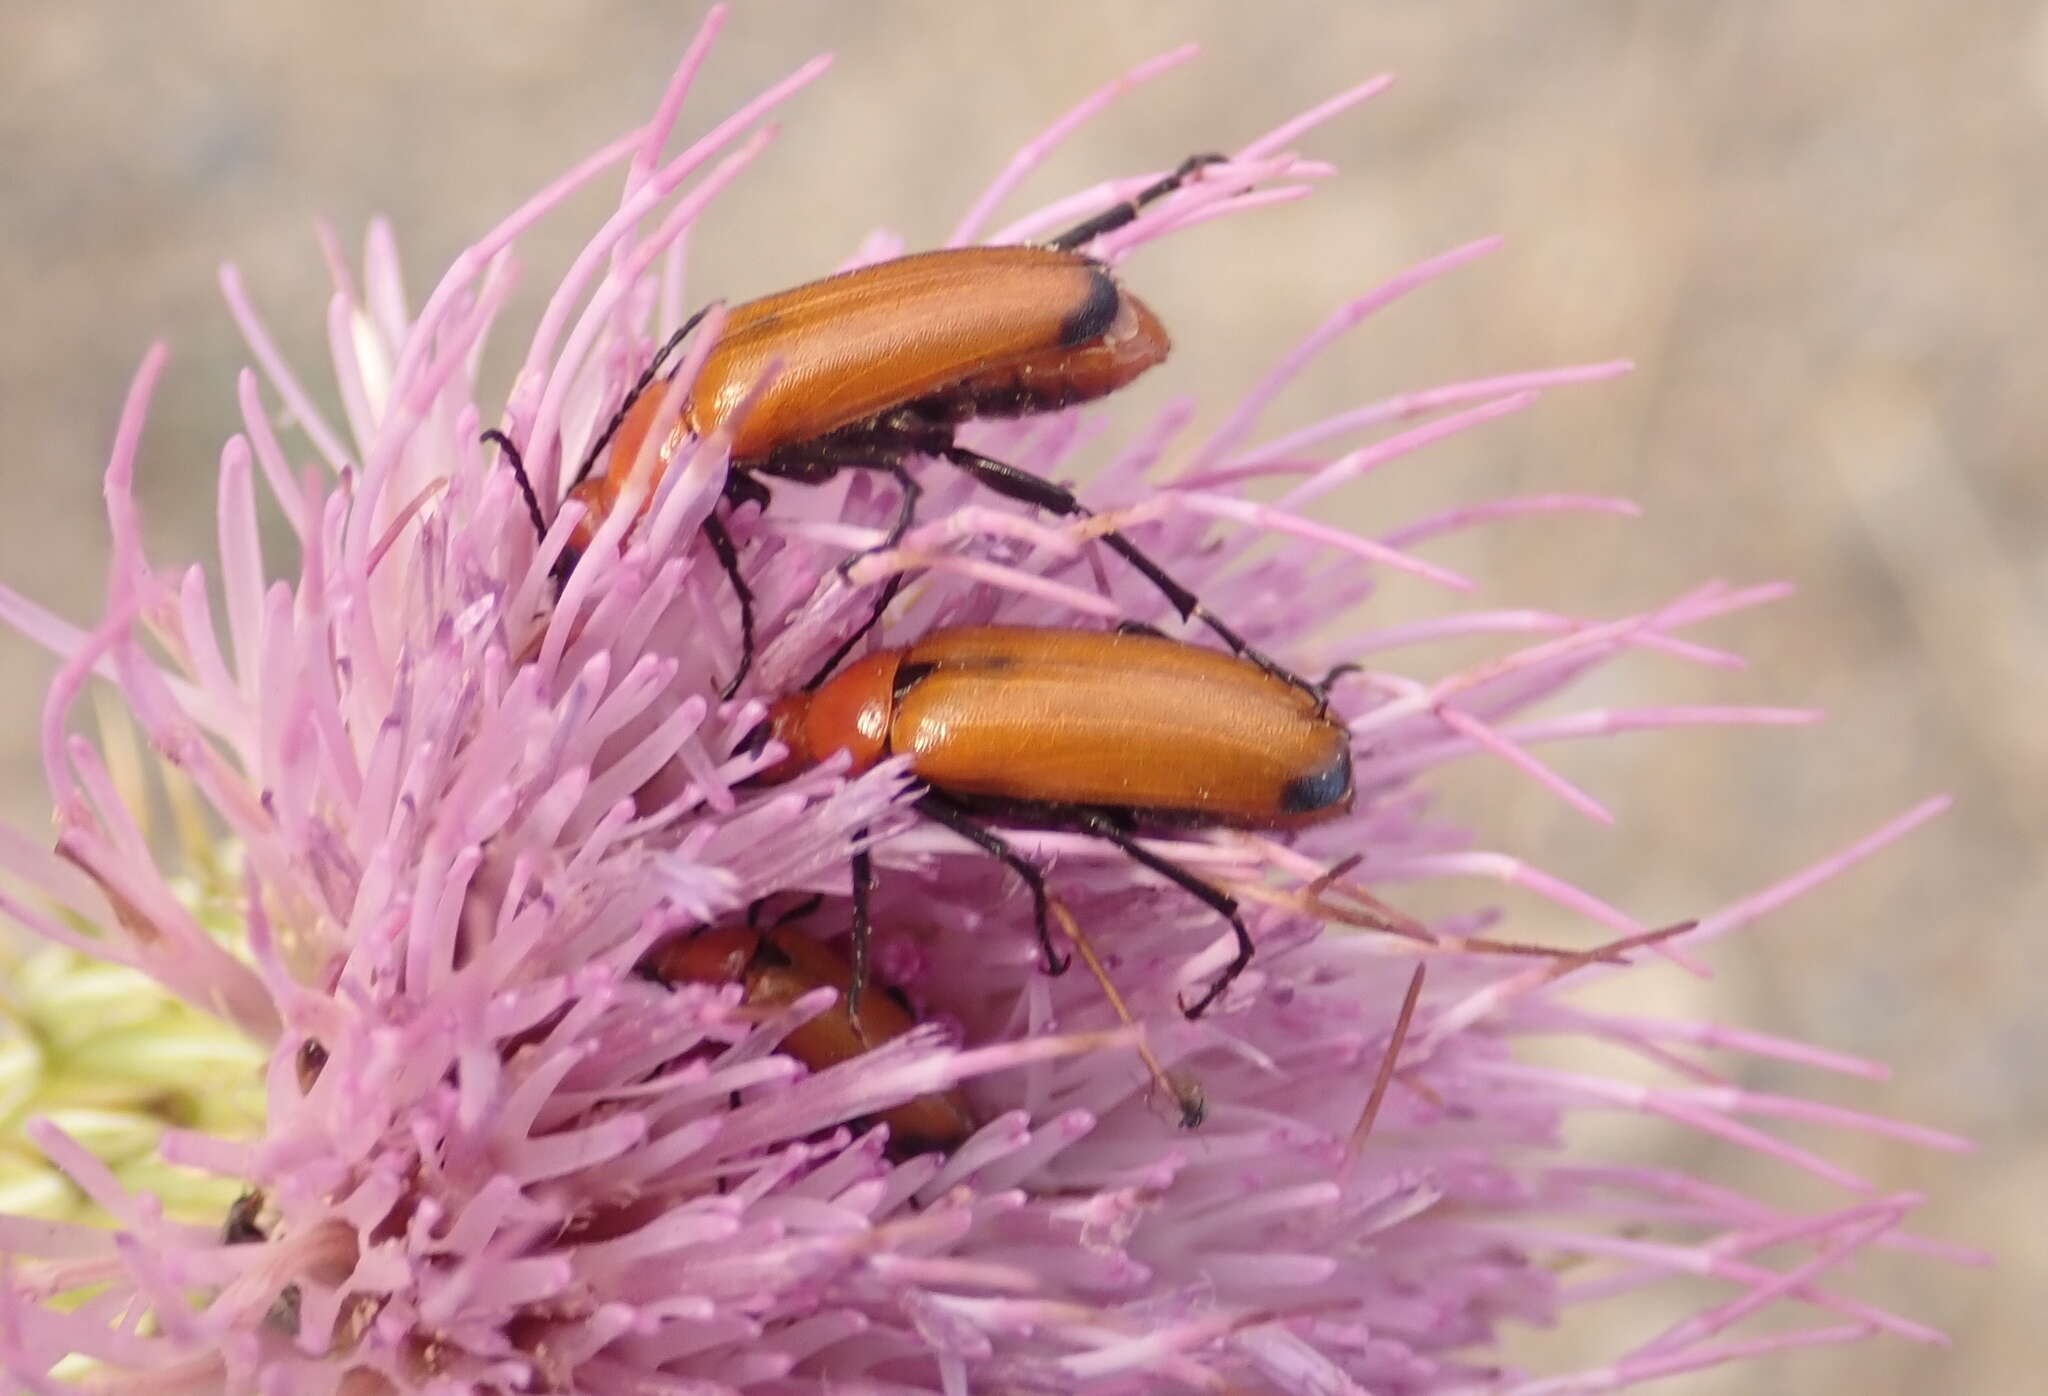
(1108, 733)
(876, 366)
(776, 967)
(244, 1224)
(247, 1225)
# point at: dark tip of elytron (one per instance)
(1324, 789)
(1090, 320)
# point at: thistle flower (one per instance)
(458, 809)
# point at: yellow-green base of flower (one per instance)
(105, 1054)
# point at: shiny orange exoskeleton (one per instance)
(875, 367)
(777, 967)
(884, 360)
(1025, 716)
(1108, 733)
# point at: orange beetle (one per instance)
(1106, 733)
(778, 967)
(861, 360)
(246, 1225)
(882, 364)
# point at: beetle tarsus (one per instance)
(1102, 827)
(729, 561)
(908, 493)
(906, 508)
(947, 814)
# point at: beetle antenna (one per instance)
(906, 514)
(888, 593)
(1187, 1094)
(497, 438)
(1118, 215)
(1391, 1058)
(646, 381)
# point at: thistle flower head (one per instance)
(466, 796)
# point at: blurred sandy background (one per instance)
(1820, 229)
